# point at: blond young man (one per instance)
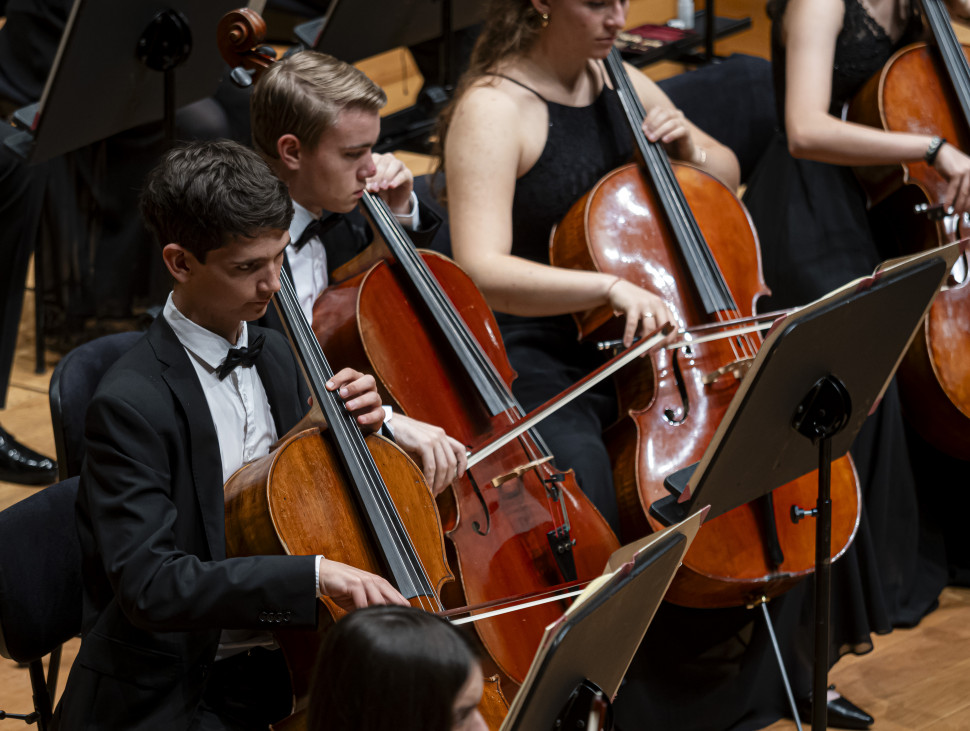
(315, 121)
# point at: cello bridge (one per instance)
(736, 368)
(519, 471)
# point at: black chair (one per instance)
(73, 383)
(40, 587)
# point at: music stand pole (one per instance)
(165, 45)
(820, 416)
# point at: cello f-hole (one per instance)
(670, 414)
(476, 525)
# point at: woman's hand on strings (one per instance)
(644, 310)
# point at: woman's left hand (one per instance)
(670, 127)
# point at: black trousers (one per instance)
(245, 692)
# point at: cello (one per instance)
(360, 502)
(515, 523)
(638, 223)
(925, 88)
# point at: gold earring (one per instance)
(544, 20)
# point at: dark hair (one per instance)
(385, 668)
(204, 194)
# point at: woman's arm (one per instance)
(484, 155)
(811, 28)
(682, 139)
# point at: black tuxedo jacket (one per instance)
(158, 586)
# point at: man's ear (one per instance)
(179, 262)
(288, 148)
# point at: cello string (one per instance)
(353, 447)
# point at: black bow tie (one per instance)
(317, 228)
(244, 357)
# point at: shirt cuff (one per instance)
(412, 219)
(386, 428)
(319, 593)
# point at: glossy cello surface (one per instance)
(638, 223)
(925, 88)
(359, 501)
(516, 524)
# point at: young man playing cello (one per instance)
(315, 121)
(170, 422)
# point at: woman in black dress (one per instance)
(810, 213)
(533, 127)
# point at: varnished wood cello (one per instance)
(925, 88)
(516, 523)
(638, 223)
(362, 503)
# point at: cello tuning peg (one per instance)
(268, 51)
(241, 77)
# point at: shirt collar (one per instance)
(205, 345)
(301, 219)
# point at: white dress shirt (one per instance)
(238, 403)
(243, 420)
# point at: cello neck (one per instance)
(400, 557)
(696, 255)
(463, 344)
(951, 51)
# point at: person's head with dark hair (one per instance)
(396, 669)
(203, 194)
(222, 219)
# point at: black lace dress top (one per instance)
(814, 230)
(861, 49)
(584, 143)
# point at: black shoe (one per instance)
(841, 713)
(19, 464)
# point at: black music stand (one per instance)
(815, 380)
(349, 32)
(119, 65)
(583, 657)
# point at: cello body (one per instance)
(295, 501)
(913, 93)
(360, 502)
(499, 517)
(676, 402)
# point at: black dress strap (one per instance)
(527, 88)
